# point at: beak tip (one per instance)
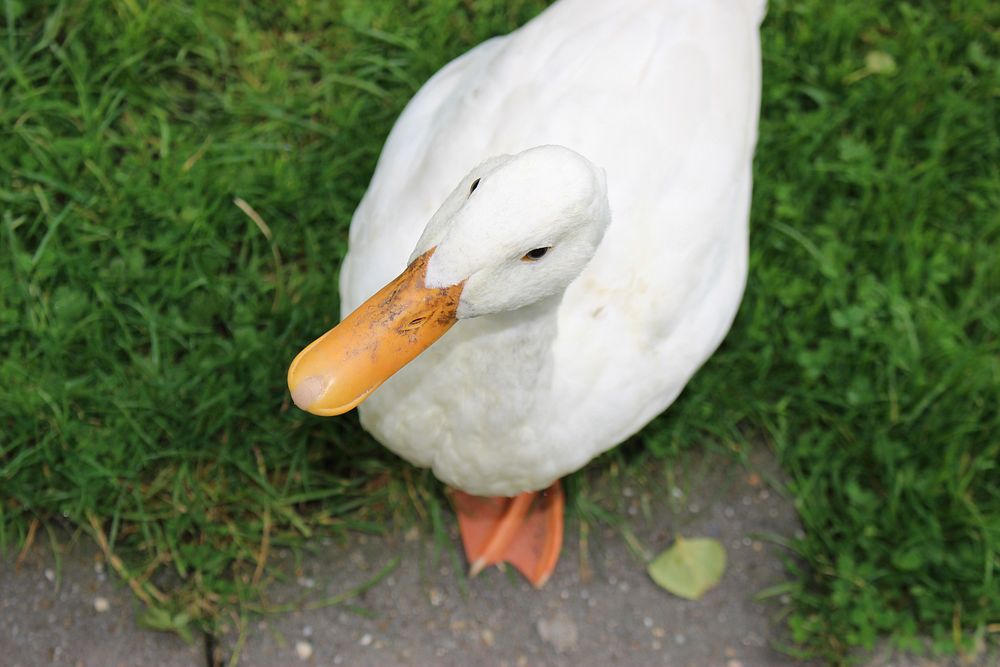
(307, 392)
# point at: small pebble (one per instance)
(306, 582)
(647, 621)
(307, 631)
(436, 597)
(50, 575)
(412, 535)
(303, 649)
(559, 631)
(729, 512)
(734, 663)
(680, 639)
(366, 639)
(656, 645)
(101, 604)
(676, 492)
(660, 633)
(487, 636)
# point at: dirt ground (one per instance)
(599, 608)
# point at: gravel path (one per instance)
(601, 609)
(72, 613)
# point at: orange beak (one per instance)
(347, 363)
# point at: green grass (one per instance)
(147, 320)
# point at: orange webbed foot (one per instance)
(525, 531)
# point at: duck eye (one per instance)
(475, 184)
(535, 255)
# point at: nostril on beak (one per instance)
(415, 323)
(308, 391)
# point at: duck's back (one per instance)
(663, 94)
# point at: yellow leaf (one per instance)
(689, 567)
(880, 62)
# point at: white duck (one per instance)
(591, 258)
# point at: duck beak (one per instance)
(341, 368)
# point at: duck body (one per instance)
(662, 95)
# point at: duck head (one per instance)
(517, 229)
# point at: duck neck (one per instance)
(511, 353)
